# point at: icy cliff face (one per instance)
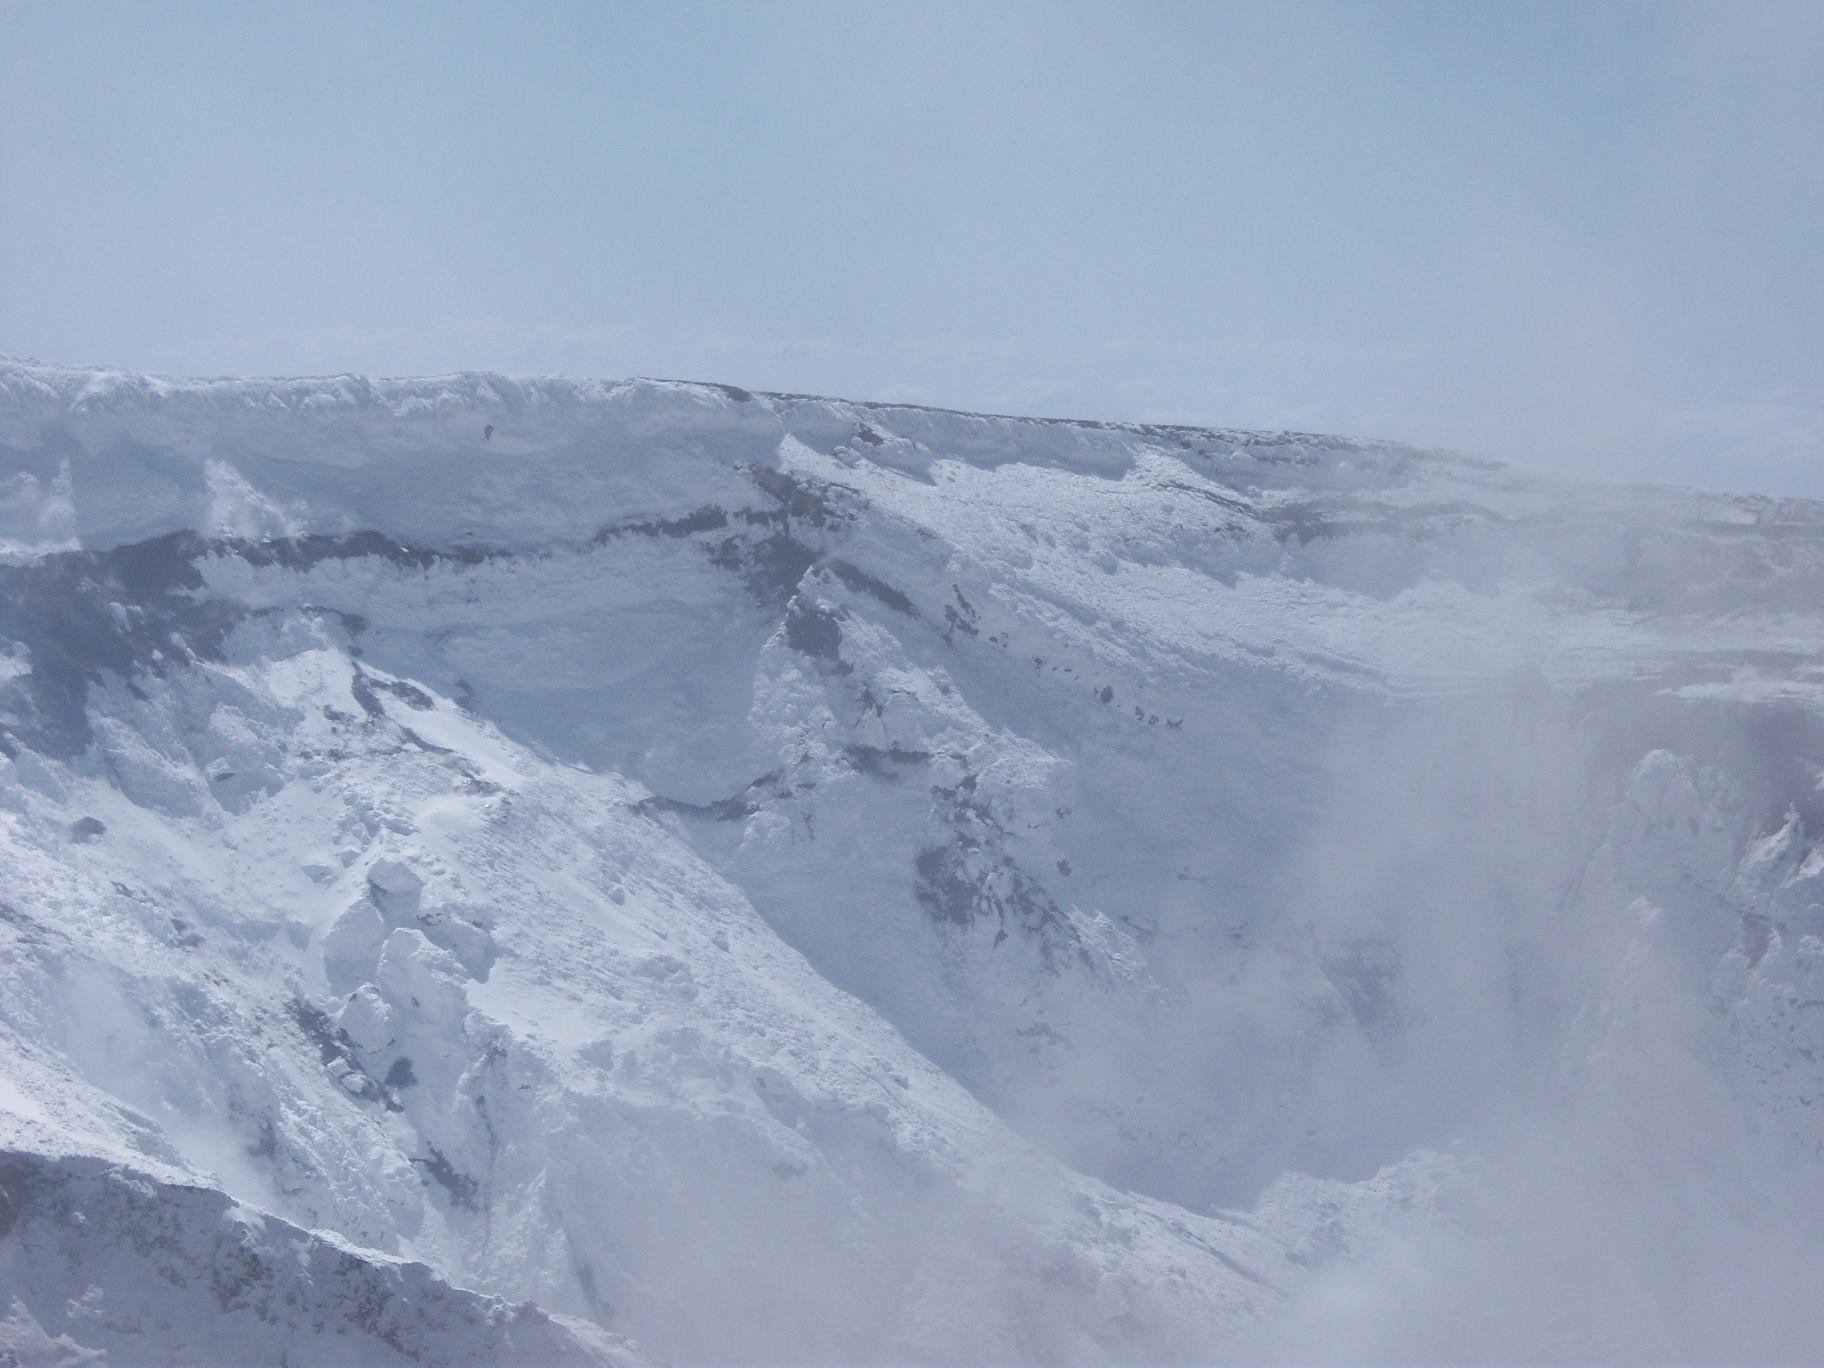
(545, 870)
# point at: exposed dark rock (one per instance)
(814, 630)
(86, 829)
(862, 582)
(462, 1189)
(970, 877)
(806, 500)
(887, 762)
(706, 519)
(772, 566)
(732, 809)
(300, 553)
(401, 1075)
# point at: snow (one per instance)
(702, 876)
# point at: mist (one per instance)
(1508, 966)
(1550, 1016)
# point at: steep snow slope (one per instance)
(759, 877)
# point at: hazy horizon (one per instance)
(1556, 235)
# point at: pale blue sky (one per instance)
(1575, 235)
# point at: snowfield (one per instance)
(535, 871)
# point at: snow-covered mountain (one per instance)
(542, 871)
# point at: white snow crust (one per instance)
(534, 871)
